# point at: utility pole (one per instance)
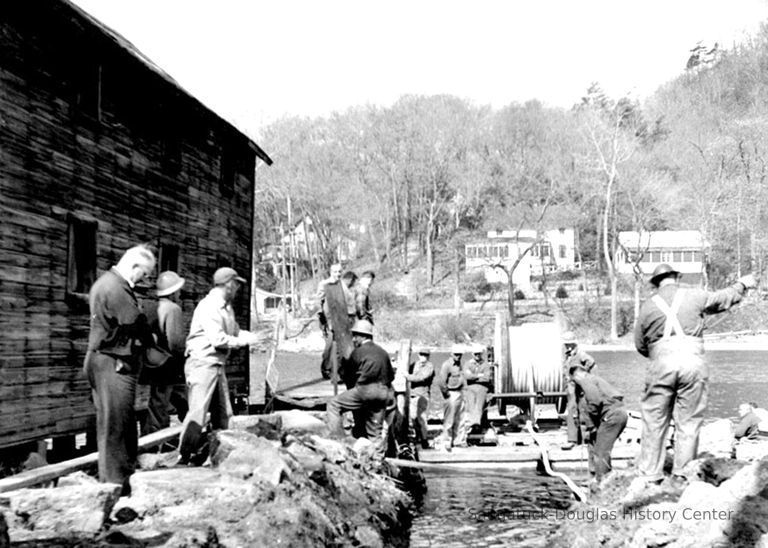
(292, 251)
(285, 304)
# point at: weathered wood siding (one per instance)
(86, 129)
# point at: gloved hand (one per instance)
(749, 281)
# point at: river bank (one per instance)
(270, 481)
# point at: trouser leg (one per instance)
(571, 414)
(690, 406)
(329, 353)
(114, 396)
(460, 421)
(607, 433)
(418, 413)
(202, 382)
(221, 406)
(349, 400)
(656, 406)
(475, 401)
(178, 399)
(451, 411)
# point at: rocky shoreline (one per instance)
(272, 480)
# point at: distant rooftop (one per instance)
(667, 239)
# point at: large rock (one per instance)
(266, 426)
(79, 509)
(247, 456)
(298, 422)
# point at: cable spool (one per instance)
(530, 360)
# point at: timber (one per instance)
(52, 472)
(98, 138)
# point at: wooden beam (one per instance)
(51, 472)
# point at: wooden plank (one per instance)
(51, 472)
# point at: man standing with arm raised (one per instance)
(669, 332)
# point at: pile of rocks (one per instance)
(724, 503)
(271, 480)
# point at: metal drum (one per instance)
(530, 362)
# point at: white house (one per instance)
(555, 250)
(684, 250)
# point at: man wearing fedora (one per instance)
(669, 332)
(118, 338)
(212, 334)
(372, 393)
(167, 386)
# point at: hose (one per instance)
(580, 495)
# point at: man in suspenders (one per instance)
(669, 332)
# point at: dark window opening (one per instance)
(168, 258)
(81, 255)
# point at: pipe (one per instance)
(580, 495)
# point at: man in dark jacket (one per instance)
(372, 391)
(167, 385)
(602, 416)
(118, 337)
(669, 331)
(335, 322)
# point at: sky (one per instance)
(254, 61)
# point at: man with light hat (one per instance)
(372, 392)
(421, 373)
(669, 332)
(166, 383)
(452, 383)
(479, 376)
(573, 356)
(213, 334)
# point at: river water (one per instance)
(466, 509)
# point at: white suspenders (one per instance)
(672, 323)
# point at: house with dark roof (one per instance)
(100, 149)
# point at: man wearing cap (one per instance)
(573, 356)
(669, 332)
(602, 416)
(452, 383)
(119, 335)
(421, 373)
(372, 391)
(167, 384)
(479, 376)
(212, 334)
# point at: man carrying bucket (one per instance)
(669, 332)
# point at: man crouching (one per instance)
(372, 390)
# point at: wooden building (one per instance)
(99, 150)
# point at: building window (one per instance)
(562, 251)
(168, 258)
(677, 256)
(81, 255)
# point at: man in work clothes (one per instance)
(573, 356)
(602, 416)
(212, 334)
(452, 383)
(479, 376)
(421, 374)
(118, 336)
(335, 321)
(362, 296)
(749, 423)
(372, 393)
(669, 332)
(167, 384)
